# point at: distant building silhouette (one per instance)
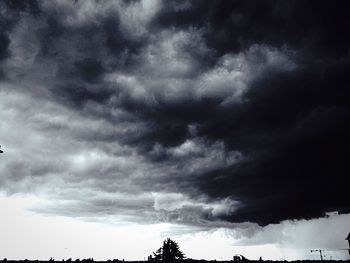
(348, 239)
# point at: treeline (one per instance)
(188, 260)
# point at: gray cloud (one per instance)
(121, 110)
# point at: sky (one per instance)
(223, 125)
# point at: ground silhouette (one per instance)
(184, 261)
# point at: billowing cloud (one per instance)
(203, 114)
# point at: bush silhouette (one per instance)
(169, 252)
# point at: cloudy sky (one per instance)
(221, 124)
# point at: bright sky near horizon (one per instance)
(29, 235)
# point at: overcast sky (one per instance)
(221, 124)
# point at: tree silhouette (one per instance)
(169, 252)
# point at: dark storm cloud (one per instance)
(9, 16)
(314, 26)
(295, 128)
(294, 125)
(225, 111)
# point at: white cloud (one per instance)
(42, 139)
(189, 147)
(166, 66)
(175, 201)
(135, 16)
(234, 73)
(297, 237)
(170, 70)
(77, 13)
(57, 153)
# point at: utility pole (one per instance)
(318, 250)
